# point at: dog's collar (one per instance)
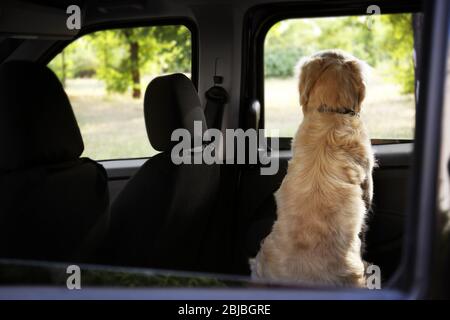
(341, 110)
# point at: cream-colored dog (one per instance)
(323, 200)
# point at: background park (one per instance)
(105, 75)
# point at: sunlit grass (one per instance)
(388, 114)
(112, 128)
(113, 125)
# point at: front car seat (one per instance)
(53, 204)
(161, 217)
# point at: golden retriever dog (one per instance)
(323, 200)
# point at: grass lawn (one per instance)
(113, 125)
(388, 114)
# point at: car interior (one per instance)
(59, 205)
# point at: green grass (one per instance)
(388, 114)
(113, 126)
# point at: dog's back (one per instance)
(322, 201)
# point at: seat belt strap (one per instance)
(216, 98)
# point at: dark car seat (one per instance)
(160, 218)
(53, 204)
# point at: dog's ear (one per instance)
(310, 70)
(358, 82)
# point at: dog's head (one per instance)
(332, 78)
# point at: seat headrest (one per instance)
(171, 102)
(37, 124)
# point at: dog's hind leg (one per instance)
(367, 188)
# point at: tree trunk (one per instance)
(135, 75)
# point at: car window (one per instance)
(384, 42)
(105, 74)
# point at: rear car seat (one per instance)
(162, 216)
(53, 204)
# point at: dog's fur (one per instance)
(323, 200)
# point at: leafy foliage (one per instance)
(398, 43)
(388, 44)
(119, 57)
(279, 62)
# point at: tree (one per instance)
(174, 43)
(397, 41)
(62, 65)
(387, 45)
(132, 37)
(111, 55)
(125, 53)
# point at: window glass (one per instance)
(385, 42)
(105, 74)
